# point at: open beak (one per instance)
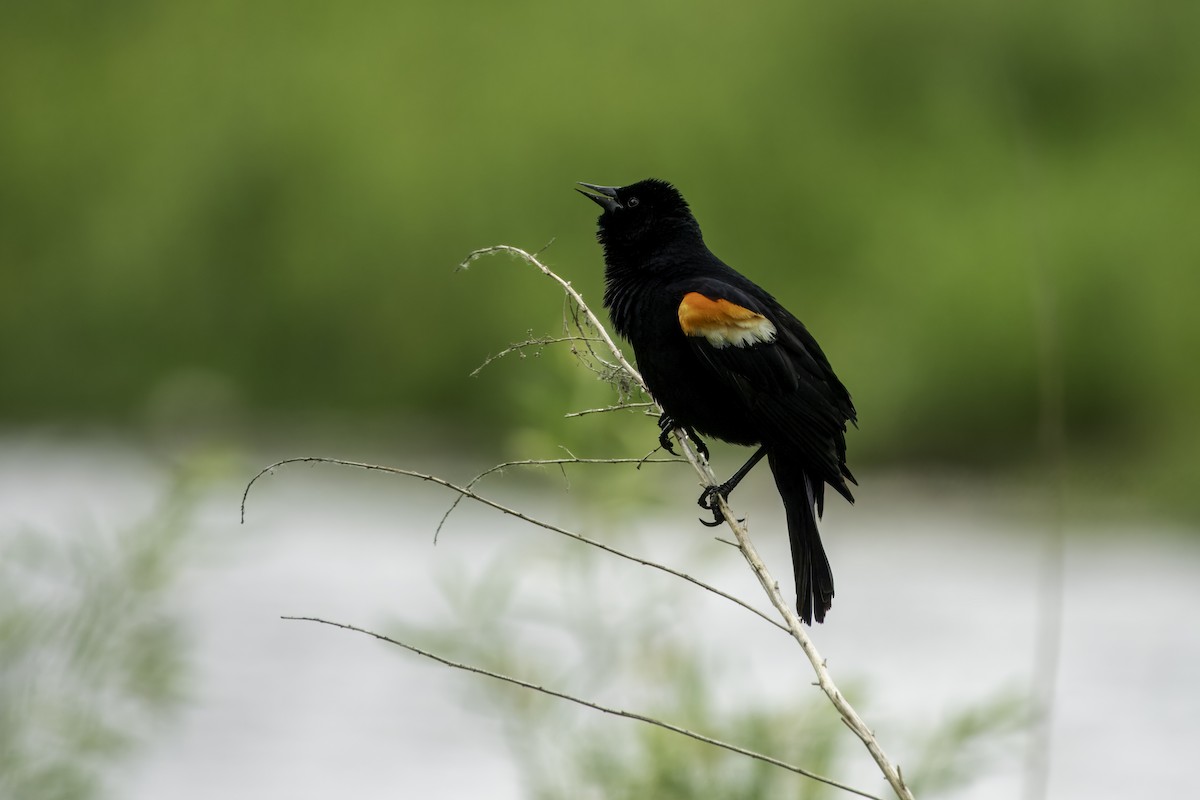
(605, 197)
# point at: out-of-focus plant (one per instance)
(563, 752)
(92, 649)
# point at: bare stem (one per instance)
(605, 409)
(792, 622)
(541, 462)
(588, 703)
(592, 319)
(622, 373)
(520, 347)
(470, 494)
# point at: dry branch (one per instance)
(606, 409)
(469, 494)
(791, 621)
(589, 704)
(537, 342)
(590, 332)
(542, 462)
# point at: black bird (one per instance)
(723, 358)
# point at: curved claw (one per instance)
(708, 502)
(706, 498)
(667, 424)
(718, 519)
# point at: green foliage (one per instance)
(274, 195)
(91, 651)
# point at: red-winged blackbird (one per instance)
(723, 358)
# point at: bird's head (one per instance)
(644, 215)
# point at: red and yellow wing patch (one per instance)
(723, 323)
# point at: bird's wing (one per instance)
(731, 332)
(766, 354)
(752, 338)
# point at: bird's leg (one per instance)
(708, 498)
(666, 424)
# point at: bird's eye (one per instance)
(631, 202)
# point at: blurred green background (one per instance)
(224, 215)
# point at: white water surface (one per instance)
(937, 607)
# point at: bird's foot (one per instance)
(664, 441)
(710, 500)
(666, 424)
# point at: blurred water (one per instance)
(936, 608)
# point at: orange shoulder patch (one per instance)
(723, 323)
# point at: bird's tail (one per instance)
(802, 496)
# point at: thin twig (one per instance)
(605, 409)
(592, 360)
(511, 512)
(618, 356)
(589, 704)
(626, 377)
(792, 622)
(519, 347)
(541, 462)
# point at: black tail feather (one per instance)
(801, 497)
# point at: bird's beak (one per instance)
(606, 197)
